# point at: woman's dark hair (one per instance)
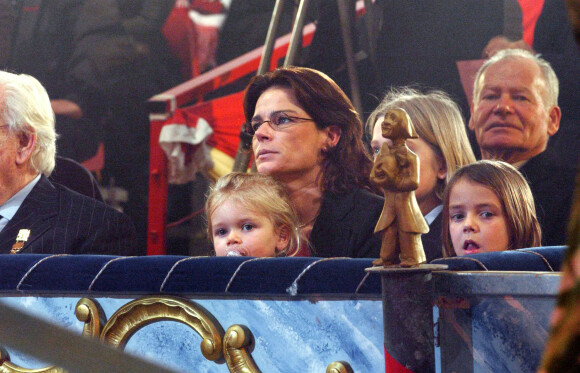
(348, 164)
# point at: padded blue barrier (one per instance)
(233, 275)
(543, 259)
(186, 275)
(304, 313)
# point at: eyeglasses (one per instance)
(277, 121)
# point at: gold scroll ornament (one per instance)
(231, 346)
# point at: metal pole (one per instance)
(296, 38)
(371, 37)
(244, 152)
(271, 38)
(408, 317)
(344, 13)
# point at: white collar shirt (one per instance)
(9, 208)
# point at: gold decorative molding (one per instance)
(237, 341)
(233, 346)
(133, 316)
(8, 367)
(339, 367)
(91, 314)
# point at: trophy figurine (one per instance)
(396, 172)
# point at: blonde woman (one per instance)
(442, 147)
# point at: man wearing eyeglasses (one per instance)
(37, 216)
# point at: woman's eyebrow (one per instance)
(283, 111)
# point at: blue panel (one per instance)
(291, 336)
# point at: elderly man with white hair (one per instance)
(36, 215)
(514, 113)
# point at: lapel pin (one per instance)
(22, 237)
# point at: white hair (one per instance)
(25, 108)
(550, 78)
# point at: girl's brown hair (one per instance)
(514, 193)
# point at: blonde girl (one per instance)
(251, 215)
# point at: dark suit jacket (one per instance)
(346, 224)
(432, 240)
(552, 185)
(64, 222)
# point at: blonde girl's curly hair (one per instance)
(261, 194)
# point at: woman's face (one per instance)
(294, 151)
(431, 167)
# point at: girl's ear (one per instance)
(283, 239)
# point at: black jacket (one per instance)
(346, 224)
(432, 240)
(552, 184)
(64, 222)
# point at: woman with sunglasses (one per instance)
(307, 135)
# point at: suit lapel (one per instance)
(35, 214)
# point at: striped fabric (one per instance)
(61, 221)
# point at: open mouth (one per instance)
(470, 247)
